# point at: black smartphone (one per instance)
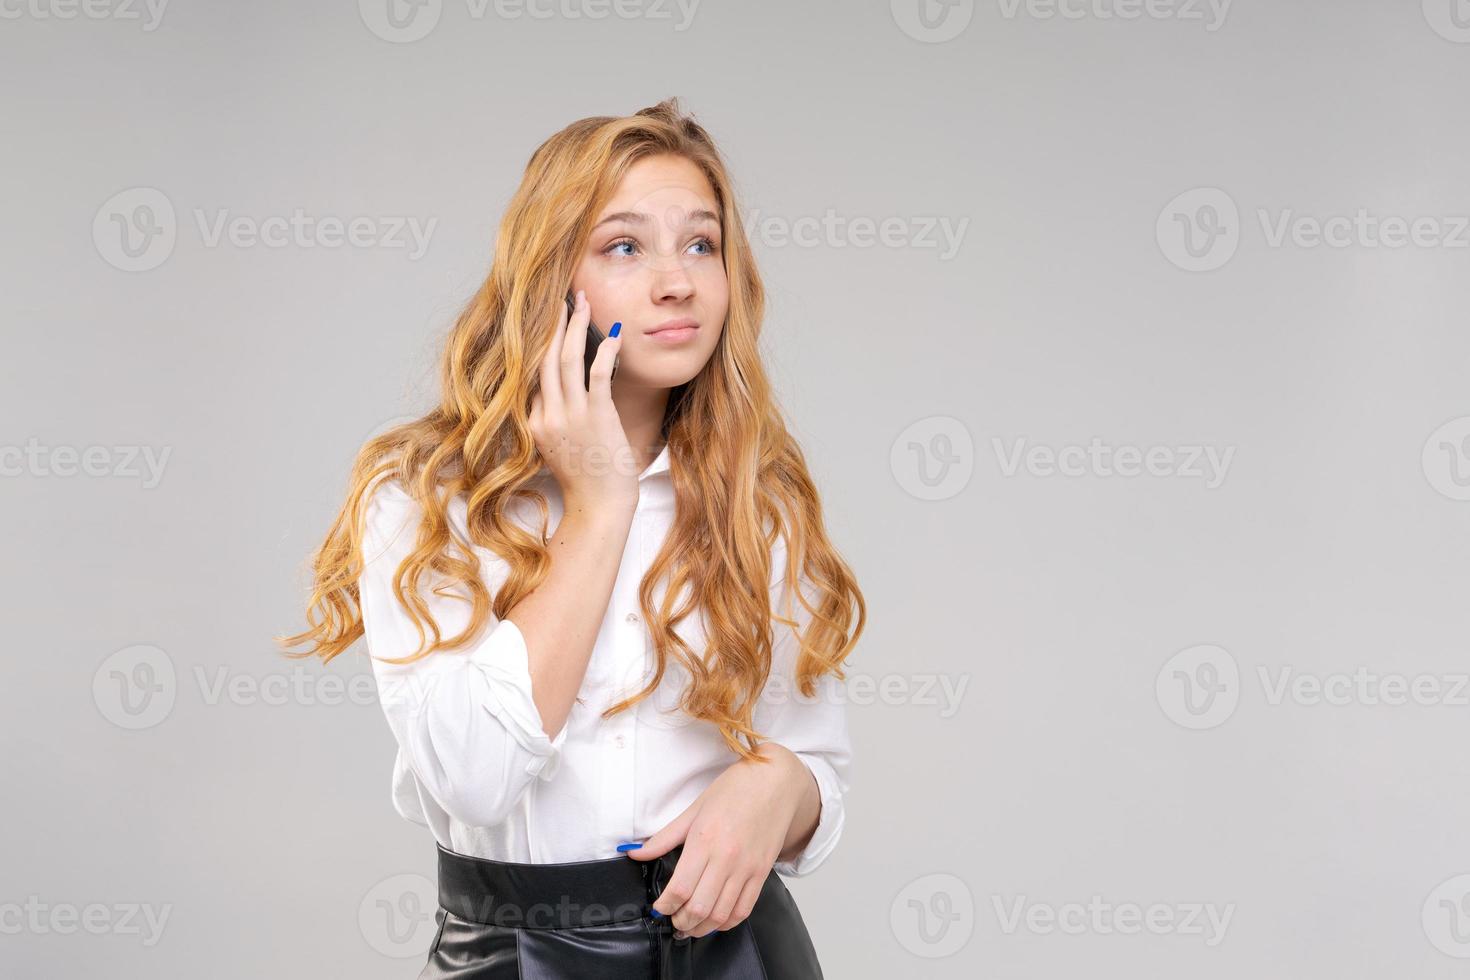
(594, 338)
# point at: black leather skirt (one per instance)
(593, 919)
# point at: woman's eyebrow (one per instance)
(639, 218)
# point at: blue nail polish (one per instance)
(628, 847)
(655, 913)
(615, 328)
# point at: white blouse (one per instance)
(474, 764)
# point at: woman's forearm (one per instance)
(560, 619)
(808, 799)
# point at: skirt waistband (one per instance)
(551, 896)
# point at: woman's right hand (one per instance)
(578, 431)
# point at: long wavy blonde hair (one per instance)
(739, 477)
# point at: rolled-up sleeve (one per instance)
(466, 725)
(817, 734)
(814, 728)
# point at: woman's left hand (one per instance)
(733, 834)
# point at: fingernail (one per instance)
(655, 913)
(615, 328)
(680, 934)
(628, 847)
(581, 295)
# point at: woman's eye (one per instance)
(619, 244)
(709, 245)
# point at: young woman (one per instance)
(605, 619)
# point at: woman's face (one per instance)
(653, 262)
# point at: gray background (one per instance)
(1073, 765)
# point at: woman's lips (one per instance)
(675, 332)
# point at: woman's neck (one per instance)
(642, 413)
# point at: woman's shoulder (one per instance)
(387, 500)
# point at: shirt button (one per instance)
(619, 741)
(632, 617)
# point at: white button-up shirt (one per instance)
(474, 764)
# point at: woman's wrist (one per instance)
(786, 761)
(802, 796)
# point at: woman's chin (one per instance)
(668, 374)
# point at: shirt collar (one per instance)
(660, 464)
